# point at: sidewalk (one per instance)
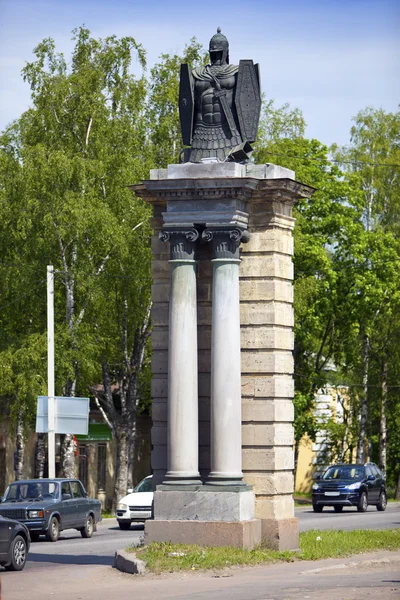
(354, 578)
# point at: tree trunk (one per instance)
(19, 448)
(68, 456)
(360, 457)
(131, 456)
(121, 472)
(397, 495)
(40, 456)
(383, 420)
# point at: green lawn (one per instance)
(314, 545)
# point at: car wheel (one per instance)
(34, 536)
(53, 531)
(18, 553)
(338, 508)
(125, 525)
(317, 508)
(363, 503)
(382, 502)
(87, 531)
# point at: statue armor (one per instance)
(209, 116)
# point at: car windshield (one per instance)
(144, 486)
(31, 490)
(344, 472)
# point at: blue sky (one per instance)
(330, 58)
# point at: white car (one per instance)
(137, 505)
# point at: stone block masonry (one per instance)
(259, 199)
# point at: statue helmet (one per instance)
(219, 43)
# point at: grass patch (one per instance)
(107, 514)
(314, 545)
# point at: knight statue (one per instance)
(219, 107)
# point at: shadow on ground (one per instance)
(71, 559)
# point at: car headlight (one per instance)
(122, 506)
(315, 486)
(35, 514)
(354, 486)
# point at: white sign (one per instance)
(71, 415)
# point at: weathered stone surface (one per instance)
(158, 173)
(160, 249)
(159, 457)
(207, 170)
(276, 386)
(266, 265)
(160, 315)
(240, 534)
(267, 410)
(159, 387)
(263, 338)
(271, 240)
(274, 507)
(160, 292)
(269, 171)
(159, 432)
(273, 313)
(280, 534)
(271, 434)
(280, 458)
(267, 290)
(128, 562)
(270, 484)
(267, 362)
(160, 269)
(204, 314)
(203, 506)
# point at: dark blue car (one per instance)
(48, 506)
(350, 485)
(14, 544)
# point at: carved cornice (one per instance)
(182, 242)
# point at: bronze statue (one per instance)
(219, 107)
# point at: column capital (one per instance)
(182, 242)
(226, 241)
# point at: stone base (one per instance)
(208, 503)
(280, 534)
(244, 534)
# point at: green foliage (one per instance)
(163, 114)
(65, 167)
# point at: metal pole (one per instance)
(51, 442)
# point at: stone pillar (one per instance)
(223, 197)
(182, 436)
(226, 419)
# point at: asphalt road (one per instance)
(349, 518)
(72, 549)
(79, 569)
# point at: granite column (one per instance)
(182, 435)
(226, 435)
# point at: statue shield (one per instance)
(248, 99)
(186, 104)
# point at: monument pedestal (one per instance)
(244, 354)
(239, 534)
(205, 515)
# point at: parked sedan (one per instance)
(14, 544)
(350, 485)
(137, 505)
(48, 506)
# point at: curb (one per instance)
(128, 562)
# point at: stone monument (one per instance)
(222, 322)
